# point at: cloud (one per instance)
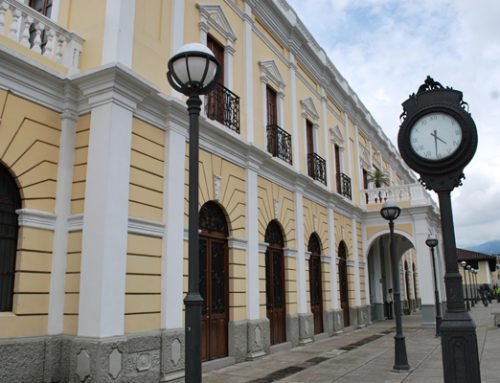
(386, 48)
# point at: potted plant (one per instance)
(379, 178)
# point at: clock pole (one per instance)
(442, 173)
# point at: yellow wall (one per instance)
(80, 164)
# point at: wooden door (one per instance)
(315, 283)
(10, 201)
(213, 283)
(275, 283)
(215, 99)
(310, 137)
(343, 283)
(337, 168)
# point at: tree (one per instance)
(379, 178)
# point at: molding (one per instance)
(292, 253)
(337, 135)
(270, 73)
(309, 109)
(213, 16)
(36, 219)
(75, 222)
(326, 259)
(237, 243)
(263, 247)
(145, 227)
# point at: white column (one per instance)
(176, 32)
(355, 254)
(359, 186)
(252, 224)
(367, 270)
(421, 232)
(301, 271)
(348, 147)
(228, 66)
(293, 112)
(55, 11)
(332, 252)
(63, 207)
(249, 75)
(326, 141)
(118, 39)
(173, 244)
(105, 221)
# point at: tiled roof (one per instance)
(467, 255)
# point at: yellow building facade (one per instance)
(94, 178)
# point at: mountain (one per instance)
(490, 247)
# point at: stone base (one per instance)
(237, 340)
(24, 359)
(258, 338)
(306, 328)
(428, 313)
(292, 329)
(377, 311)
(172, 354)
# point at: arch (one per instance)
(316, 282)
(275, 282)
(214, 281)
(10, 201)
(343, 282)
(380, 234)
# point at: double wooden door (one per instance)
(275, 294)
(343, 284)
(214, 290)
(315, 282)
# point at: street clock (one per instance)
(437, 137)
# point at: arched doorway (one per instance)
(10, 201)
(316, 282)
(343, 283)
(275, 282)
(213, 281)
(415, 290)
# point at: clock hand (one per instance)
(434, 134)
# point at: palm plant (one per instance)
(379, 178)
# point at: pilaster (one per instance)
(118, 40)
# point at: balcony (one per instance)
(279, 143)
(404, 195)
(316, 167)
(344, 185)
(41, 35)
(224, 106)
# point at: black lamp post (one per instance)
(471, 296)
(390, 212)
(467, 304)
(432, 243)
(476, 294)
(193, 71)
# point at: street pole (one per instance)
(471, 297)
(464, 264)
(432, 243)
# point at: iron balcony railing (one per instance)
(224, 106)
(316, 167)
(344, 185)
(279, 143)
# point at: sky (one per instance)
(386, 48)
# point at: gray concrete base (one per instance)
(172, 354)
(428, 314)
(292, 329)
(237, 340)
(306, 328)
(259, 338)
(377, 311)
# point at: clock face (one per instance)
(435, 136)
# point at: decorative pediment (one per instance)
(364, 156)
(337, 135)
(309, 110)
(213, 16)
(270, 73)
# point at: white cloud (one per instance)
(386, 48)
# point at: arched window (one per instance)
(315, 282)
(10, 201)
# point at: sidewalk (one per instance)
(367, 355)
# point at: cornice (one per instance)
(36, 219)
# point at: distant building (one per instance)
(485, 264)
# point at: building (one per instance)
(486, 266)
(93, 205)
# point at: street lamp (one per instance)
(193, 71)
(390, 211)
(432, 243)
(476, 294)
(469, 269)
(464, 264)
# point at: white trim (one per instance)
(36, 219)
(175, 234)
(63, 209)
(300, 263)
(105, 222)
(118, 40)
(332, 252)
(248, 70)
(292, 253)
(254, 248)
(263, 247)
(293, 113)
(145, 227)
(213, 16)
(237, 243)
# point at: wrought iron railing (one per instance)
(316, 167)
(344, 185)
(224, 106)
(279, 143)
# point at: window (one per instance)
(10, 201)
(42, 6)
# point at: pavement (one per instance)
(367, 355)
